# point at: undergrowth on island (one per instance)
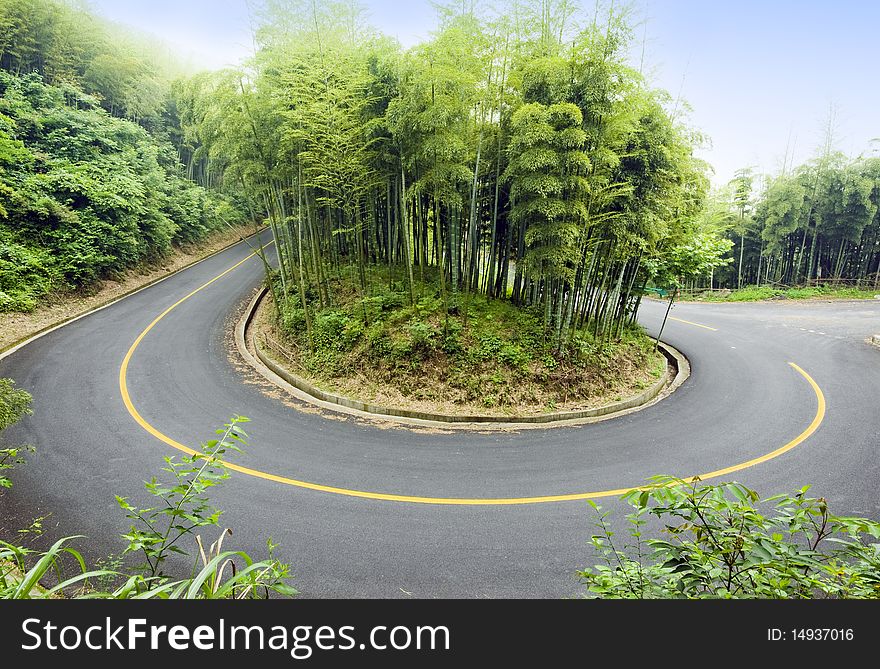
(498, 357)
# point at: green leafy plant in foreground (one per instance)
(222, 575)
(18, 581)
(157, 533)
(15, 404)
(722, 541)
(10, 457)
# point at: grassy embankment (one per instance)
(381, 349)
(756, 294)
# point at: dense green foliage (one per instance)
(155, 532)
(513, 155)
(722, 541)
(381, 345)
(84, 194)
(69, 46)
(817, 223)
(15, 404)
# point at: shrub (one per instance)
(513, 355)
(293, 319)
(26, 275)
(451, 343)
(489, 346)
(183, 509)
(721, 541)
(329, 330)
(427, 305)
(15, 404)
(85, 195)
(377, 341)
(422, 336)
(352, 333)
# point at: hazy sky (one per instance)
(759, 75)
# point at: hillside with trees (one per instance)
(819, 221)
(486, 207)
(816, 225)
(92, 178)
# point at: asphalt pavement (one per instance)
(743, 401)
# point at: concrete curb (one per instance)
(676, 374)
(21, 343)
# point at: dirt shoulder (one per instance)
(16, 327)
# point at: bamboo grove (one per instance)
(518, 155)
(817, 223)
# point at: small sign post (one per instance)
(662, 292)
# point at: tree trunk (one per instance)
(404, 231)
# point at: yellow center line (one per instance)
(803, 436)
(123, 370)
(681, 320)
(449, 501)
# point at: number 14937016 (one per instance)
(811, 634)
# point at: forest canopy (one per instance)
(517, 155)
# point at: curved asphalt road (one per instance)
(743, 400)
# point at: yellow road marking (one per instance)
(803, 436)
(123, 370)
(449, 501)
(681, 320)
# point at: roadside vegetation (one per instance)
(181, 526)
(15, 404)
(93, 177)
(759, 293)
(724, 542)
(816, 225)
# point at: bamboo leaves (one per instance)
(507, 149)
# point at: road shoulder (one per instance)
(19, 328)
